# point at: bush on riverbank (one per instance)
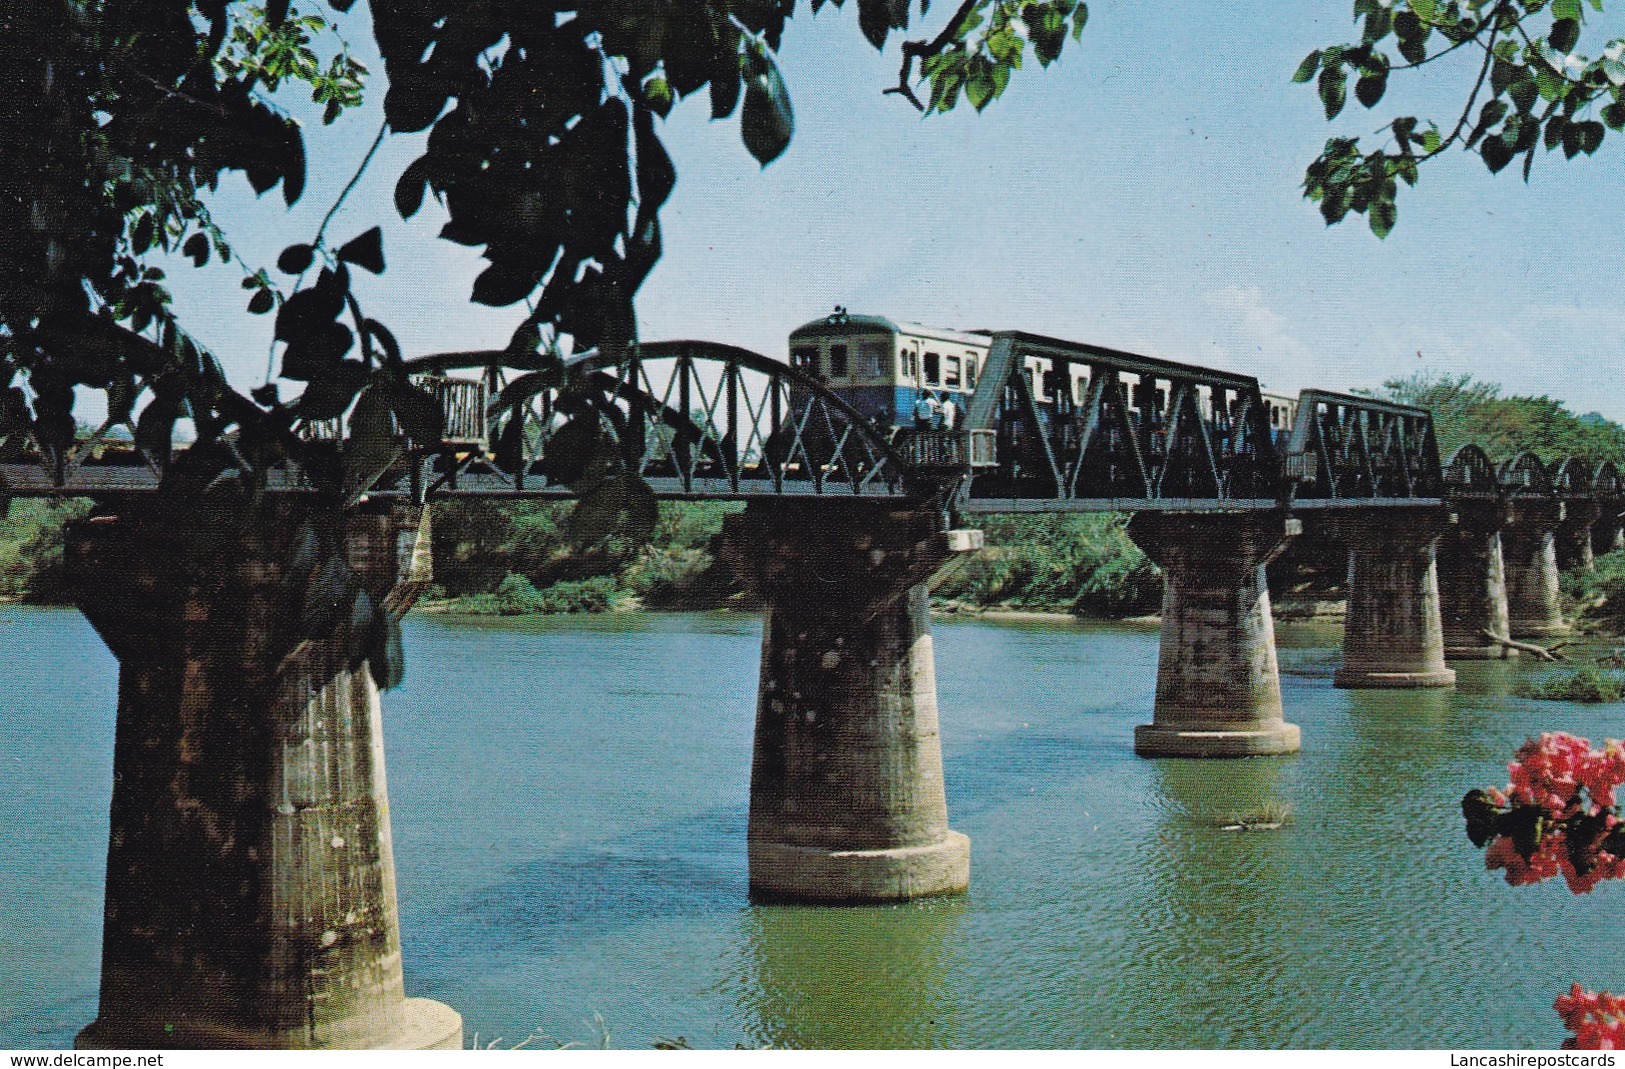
(1082, 564)
(1600, 594)
(31, 549)
(516, 596)
(1590, 684)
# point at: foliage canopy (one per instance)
(1527, 87)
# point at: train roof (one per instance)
(841, 322)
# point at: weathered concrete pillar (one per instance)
(1529, 545)
(1218, 686)
(846, 790)
(1573, 536)
(1393, 635)
(250, 878)
(1608, 534)
(1472, 586)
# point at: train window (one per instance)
(933, 369)
(837, 361)
(1275, 415)
(872, 360)
(970, 373)
(911, 365)
(951, 380)
(804, 358)
(1080, 388)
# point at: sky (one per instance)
(1141, 194)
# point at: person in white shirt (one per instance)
(922, 412)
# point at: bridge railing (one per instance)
(949, 451)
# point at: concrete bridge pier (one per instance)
(1573, 536)
(1608, 534)
(250, 897)
(1393, 634)
(1530, 544)
(846, 792)
(1218, 686)
(1472, 585)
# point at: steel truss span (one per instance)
(1049, 426)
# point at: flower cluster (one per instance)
(1597, 1019)
(1559, 814)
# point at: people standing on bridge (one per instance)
(922, 412)
(950, 414)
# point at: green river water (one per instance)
(569, 802)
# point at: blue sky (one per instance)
(1142, 194)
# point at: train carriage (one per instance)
(881, 367)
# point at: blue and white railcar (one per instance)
(881, 366)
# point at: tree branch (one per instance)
(920, 50)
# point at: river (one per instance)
(569, 802)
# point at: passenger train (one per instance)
(881, 367)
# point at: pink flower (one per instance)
(1597, 1019)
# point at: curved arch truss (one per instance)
(1469, 473)
(1572, 477)
(1524, 476)
(691, 419)
(1606, 483)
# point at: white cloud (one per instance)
(1255, 339)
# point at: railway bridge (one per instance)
(250, 881)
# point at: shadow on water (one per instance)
(1205, 966)
(985, 775)
(681, 870)
(848, 977)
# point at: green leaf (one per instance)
(1425, 10)
(1565, 34)
(1496, 153)
(1523, 90)
(642, 509)
(156, 428)
(366, 251)
(504, 283)
(304, 554)
(1370, 88)
(386, 656)
(1614, 115)
(767, 123)
(568, 450)
(1567, 10)
(598, 513)
(295, 259)
(657, 93)
(197, 247)
(372, 445)
(1381, 217)
(141, 236)
(261, 302)
(1333, 90)
(1555, 126)
(409, 188)
(331, 391)
(419, 416)
(1306, 69)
